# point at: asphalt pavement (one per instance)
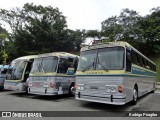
(19, 101)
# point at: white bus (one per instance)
(53, 74)
(114, 73)
(18, 73)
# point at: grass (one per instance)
(157, 61)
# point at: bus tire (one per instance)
(135, 96)
(26, 92)
(71, 90)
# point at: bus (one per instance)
(16, 77)
(53, 74)
(3, 71)
(113, 73)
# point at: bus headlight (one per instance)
(111, 88)
(80, 87)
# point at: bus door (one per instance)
(26, 73)
(66, 72)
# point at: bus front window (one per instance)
(16, 70)
(44, 64)
(86, 60)
(110, 58)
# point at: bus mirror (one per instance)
(70, 71)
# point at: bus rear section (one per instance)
(16, 77)
(52, 74)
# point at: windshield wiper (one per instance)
(89, 66)
(40, 68)
(43, 69)
(104, 68)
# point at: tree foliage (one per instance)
(143, 32)
(3, 37)
(38, 29)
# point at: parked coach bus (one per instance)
(113, 73)
(17, 76)
(53, 74)
(3, 71)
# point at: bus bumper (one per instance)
(107, 99)
(42, 91)
(15, 86)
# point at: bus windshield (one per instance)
(110, 58)
(44, 64)
(87, 60)
(16, 70)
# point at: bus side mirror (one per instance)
(70, 71)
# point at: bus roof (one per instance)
(26, 57)
(58, 54)
(113, 44)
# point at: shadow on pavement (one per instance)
(4, 90)
(140, 106)
(56, 98)
(111, 108)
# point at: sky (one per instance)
(87, 14)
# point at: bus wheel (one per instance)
(135, 96)
(72, 90)
(26, 91)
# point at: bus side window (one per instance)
(63, 66)
(28, 69)
(128, 61)
(75, 64)
(4, 71)
(70, 60)
(134, 57)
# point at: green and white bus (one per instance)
(18, 72)
(114, 73)
(53, 74)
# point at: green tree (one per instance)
(93, 34)
(37, 29)
(3, 37)
(121, 27)
(75, 38)
(149, 30)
